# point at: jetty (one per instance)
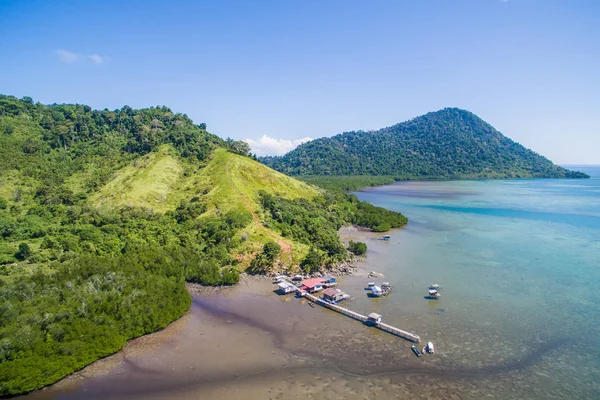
(373, 320)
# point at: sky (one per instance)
(280, 72)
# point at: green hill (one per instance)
(105, 215)
(447, 144)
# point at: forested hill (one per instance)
(447, 144)
(105, 215)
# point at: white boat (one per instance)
(371, 284)
(429, 348)
(435, 286)
(376, 291)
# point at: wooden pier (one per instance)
(411, 337)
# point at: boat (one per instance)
(435, 286)
(429, 348)
(433, 294)
(416, 351)
(386, 237)
(376, 291)
(370, 284)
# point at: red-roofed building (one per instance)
(312, 285)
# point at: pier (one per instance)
(411, 337)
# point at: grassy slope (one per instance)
(160, 181)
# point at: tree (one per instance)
(358, 248)
(238, 147)
(24, 251)
(271, 250)
(313, 260)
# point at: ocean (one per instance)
(519, 266)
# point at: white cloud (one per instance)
(268, 146)
(67, 56)
(96, 58)
(70, 57)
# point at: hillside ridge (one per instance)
(451, 143)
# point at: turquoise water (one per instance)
(519, 263)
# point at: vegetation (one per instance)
(357, 248)
(447, 144)
(348, 183)
(315, 222)
(104, 215)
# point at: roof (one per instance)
(284, 285)
(311, 283)
(374, 316)
(332, 292)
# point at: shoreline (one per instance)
(147, 343)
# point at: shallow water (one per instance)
(518, 318)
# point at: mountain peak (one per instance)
(451, 143)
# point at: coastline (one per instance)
(146, 343)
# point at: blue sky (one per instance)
(296, 69)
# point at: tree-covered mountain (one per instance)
(105, 215)
(447, 144)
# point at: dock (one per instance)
(411, 337)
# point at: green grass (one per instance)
(151, 181)
(229, 182)
(236, 182)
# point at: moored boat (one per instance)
(429, 348)
(416, 351)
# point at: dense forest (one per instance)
(447, 144)
(105, 215)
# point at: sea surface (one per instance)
(519, 264)
(519, 315)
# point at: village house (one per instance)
(286, 287)
(312, 285)
(334, 295)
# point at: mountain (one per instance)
(446, 144)
(105, 215)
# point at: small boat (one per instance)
(435, 286)
(429, 348)
(416, 351)
(311, 304)
(376, 292)
(386, 237)
(371, 284)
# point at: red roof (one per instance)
(311, 283)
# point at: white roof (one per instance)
(285, 285)
(376, 289)
(374, 315)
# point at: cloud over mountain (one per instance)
(268, 146)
